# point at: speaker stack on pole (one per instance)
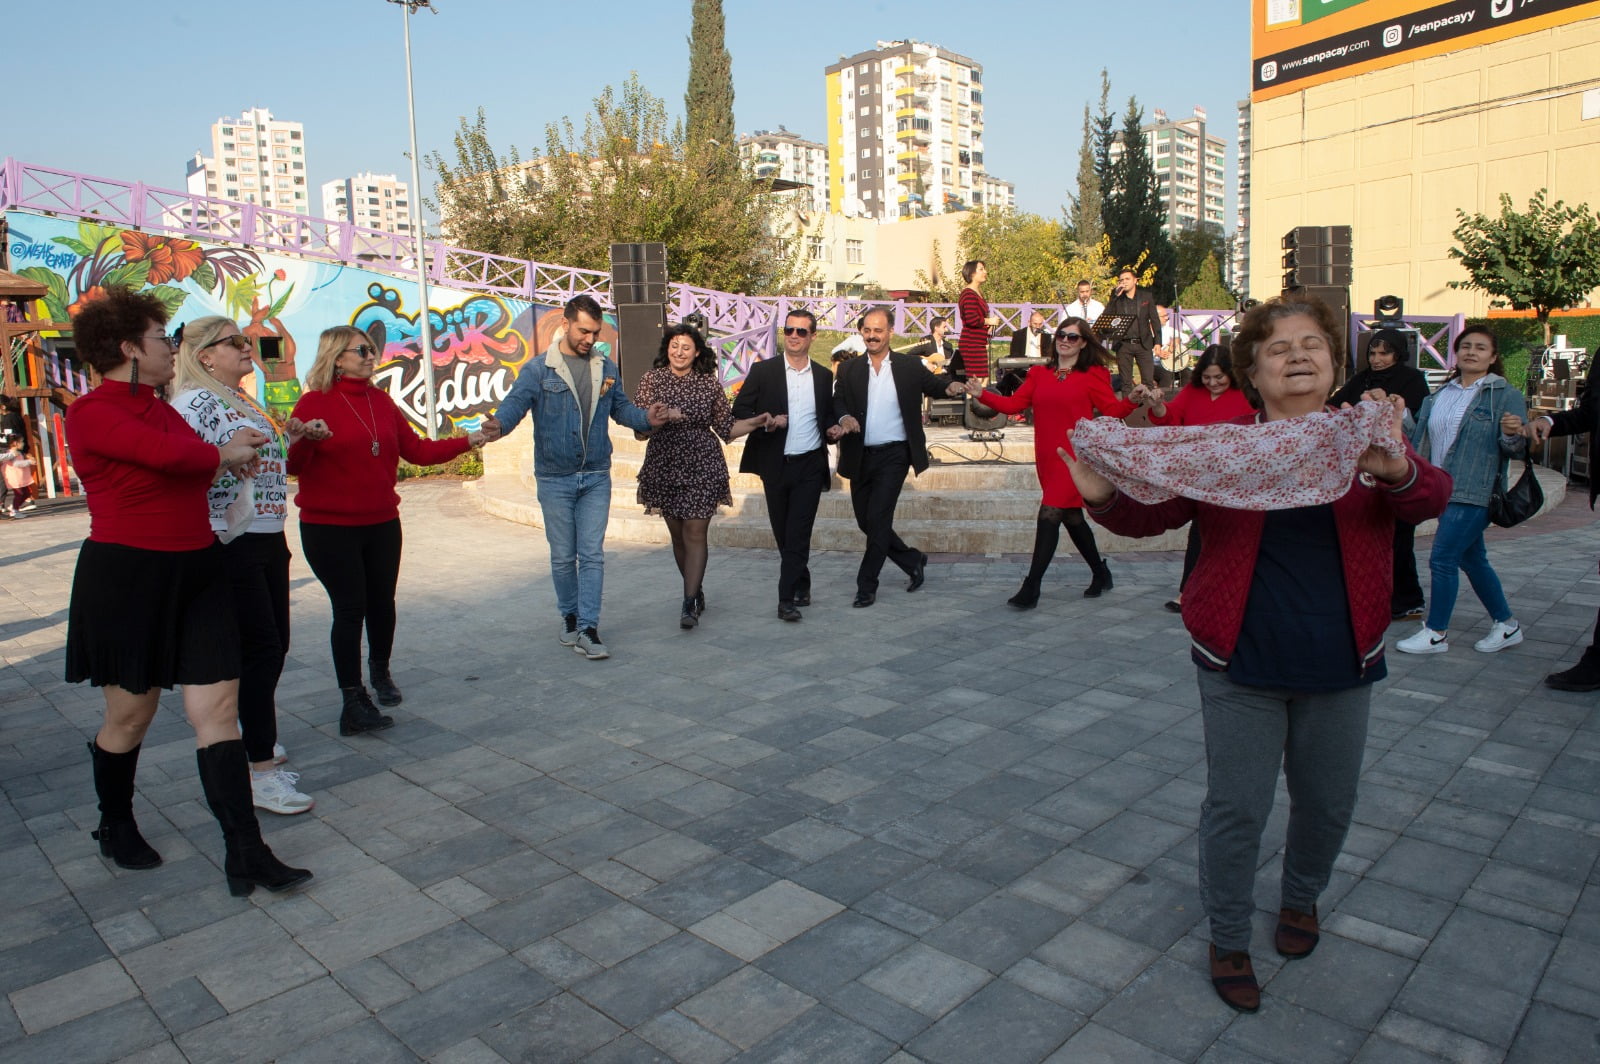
(1317, 264)
(639, 291)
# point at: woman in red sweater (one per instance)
(973, 343)
(1287, 618)
(150, 603)
(1076, 387)
(350, 512)
(1212, 397)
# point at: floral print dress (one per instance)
(684, 474)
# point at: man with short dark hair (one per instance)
(1138, 344)
(1086, 306)
(878, 401)
(570, 391)
(791, 455)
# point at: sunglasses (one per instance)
(1074, 337)
(241, 343)
(362, 351)
(796, 330)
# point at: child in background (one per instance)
(19, 478)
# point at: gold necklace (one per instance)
(372, 430)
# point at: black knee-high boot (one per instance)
(225, 777)
(1046, 537)
(1083, 539)
(118, 835)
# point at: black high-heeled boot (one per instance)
(118, 834)
(1102, 581)
(1083, 539)
(690, 616)
(1046, 537)
(383, 685)
(359, 714)
(248, 863)
(1027, 597)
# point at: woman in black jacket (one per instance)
(1388, 372)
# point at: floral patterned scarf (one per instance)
(1270, 465)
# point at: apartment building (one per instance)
(1188, 162)
(376, 201)
(254, 158)
(789, 157)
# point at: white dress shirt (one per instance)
(1030, 346)
(884, 424)
(804, 436)
(1087, 311)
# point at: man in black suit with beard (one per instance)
(791, 455)
(878, 400)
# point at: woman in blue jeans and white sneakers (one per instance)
(1468, 429)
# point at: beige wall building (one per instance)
(254, 158)
(1393, 147)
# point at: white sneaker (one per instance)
(589, 645)
(280, 756)
(1427, 641)
(30, 506)
(275, 792)
(1502, 634)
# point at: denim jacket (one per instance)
(1480, 452)
(544, 389)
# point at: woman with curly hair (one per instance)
(684, 477)
(150, 605)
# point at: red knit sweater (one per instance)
(1215, 596)
(341, 481)
(1194, 406)
(144, 470)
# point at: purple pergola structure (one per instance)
(745, 325)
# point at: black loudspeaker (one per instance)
(1317, 256)
(639, 331)
(638, 273)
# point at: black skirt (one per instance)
(150, 618)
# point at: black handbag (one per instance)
(1514, 505)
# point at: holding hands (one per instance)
(490, 428)
(846, 425)
(777, 421)
(239, 453)
(957, 389)
(972, 388)
(314, 430)
(660, 413)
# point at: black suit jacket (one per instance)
(1019, 343)
(1145, 333)
(1585, 417)
(912, 381)
(766, 391)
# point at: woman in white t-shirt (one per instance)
(213, 360)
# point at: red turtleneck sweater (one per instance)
(143, 468)
(341, 481)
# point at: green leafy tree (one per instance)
(1084, 225)
(1023, 253)
(1206, 291)
(708, 103)
(627, 177)
(1543, 260)
(1133, 213)
(1105, 135)
(1191, 248)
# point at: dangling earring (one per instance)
(133, 377)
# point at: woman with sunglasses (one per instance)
(1075, 385)
(350, 512)
(150, 605)
(213, 360)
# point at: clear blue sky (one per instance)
(130, 90)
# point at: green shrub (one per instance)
(468, 465)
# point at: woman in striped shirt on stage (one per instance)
(976, 321)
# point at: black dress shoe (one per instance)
(919, 572)
(802, 598)
(1584, 676)
(788, 612)
(864, 599)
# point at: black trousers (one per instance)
(792, 500)
(359, 566)
(1130, 355)
(258, 575)
(1407, 593)
(874, 493)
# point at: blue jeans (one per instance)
(576, 508)
(1458, 547)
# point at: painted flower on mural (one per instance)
(93, 295)
(170, 259)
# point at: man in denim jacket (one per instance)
(570, 391)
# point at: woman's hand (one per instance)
(1511, 425)
(974, 389)
(991, 321)
(1095, 489)
(490, 427)
(1375, 393)
(1390, 470)
(240, 450)
(314, 430)
(1538, 430)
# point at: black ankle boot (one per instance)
(690, 616)
(1584, 676)
(359, 714)
(117, 834)
(225, 778)
(699, 602)
(1101, 582)
(383, 684)
(1027, 597)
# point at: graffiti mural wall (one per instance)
(479, 340)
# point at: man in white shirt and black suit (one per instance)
(878, 401)
(791, 455)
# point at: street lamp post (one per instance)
(424, 321)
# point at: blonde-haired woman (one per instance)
(350, 512)
(213, 360)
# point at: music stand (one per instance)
(1113, 328)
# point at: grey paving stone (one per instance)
(50, 956)
(541, 911)
(655, 980)
(859, 1002)
(1152, 911)
(452, 950)
(702, 890)
(1001, 854)
(821, 1034)
(1565, 855)
(1346, 981)
(67, 997)
(106, 1035)
(1284, 1031)
(1499, 952)
(615, 934)
(558, 1031)
(1094, 1044)
(746, 1007)
(833, 953)
(1462, 1003)
(466, 1005)
(996, 932)
(856, 871)
(926, 979)
(1551, 1034)
(300, 1017)
(1182, 993)
(1033, 1027)
(366, 1041)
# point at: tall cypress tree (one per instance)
(1133, 214)
(1084, 225)
(1105, 134)
(708, 102)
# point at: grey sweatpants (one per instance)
(1318, 737)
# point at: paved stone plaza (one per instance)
(935, 830)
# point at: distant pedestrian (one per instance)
(18, 477)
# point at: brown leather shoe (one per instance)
(1297, 933)
(1234, 980)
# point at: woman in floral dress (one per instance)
(684, 477)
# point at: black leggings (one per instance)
(1047, 536)
(358, 566)
(258, 574)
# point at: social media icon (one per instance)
(1392, 35)
(1269, 70)
(1500, 8)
